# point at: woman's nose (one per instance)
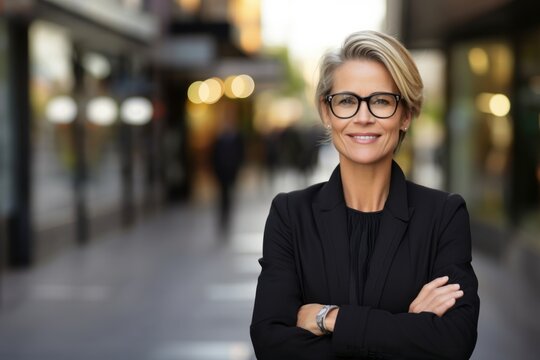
(363, 115)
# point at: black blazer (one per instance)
(424, 234)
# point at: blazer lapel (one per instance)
(394, 221)
(331, 220)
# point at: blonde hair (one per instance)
(385, 49)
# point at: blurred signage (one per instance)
(186, 51)
(113, 14)
(15, 7)
(261, 69)
(426, 22)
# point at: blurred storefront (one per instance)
(96, 126)
(210, 46)
(74, 164)
(491, 51)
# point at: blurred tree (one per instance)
(294, 82)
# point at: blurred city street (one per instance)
(173, 288)
(126, 126)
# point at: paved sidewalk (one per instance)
(169, 288)
(172, 288)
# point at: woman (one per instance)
(368, 264)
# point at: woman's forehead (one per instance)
(363, 75)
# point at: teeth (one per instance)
(365, 137)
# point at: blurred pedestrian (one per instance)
(227, 158)
(367, 264)
(271, 146)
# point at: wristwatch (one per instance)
(321, 316)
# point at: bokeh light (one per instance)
(496, 104)
(137, 111)
(102, 111)
(61, 110)
(189, 6)
(499, 105)
(478, 61)
(228, 87)
(212, 89)
(193, 92)
(243, 86)
(97, 65)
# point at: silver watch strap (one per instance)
(321, 317)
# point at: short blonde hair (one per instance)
(385, 49)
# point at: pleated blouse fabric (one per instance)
(363, 228)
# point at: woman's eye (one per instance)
(348, 100)
(380, 101)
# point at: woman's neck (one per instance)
(366, 187)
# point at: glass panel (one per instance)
(53, 138)
(6, 172)
(528, 132)
(52, 147)
(425, 141)
(103, 184)
(480, 126)
(5, 129)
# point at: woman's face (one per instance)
(365, 139)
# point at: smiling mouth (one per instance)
(364, 137)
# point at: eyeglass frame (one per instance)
(360, 99)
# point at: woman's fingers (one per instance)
(436, 297)
(443, 303)
(427, 290)
(433, 285)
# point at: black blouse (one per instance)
(363, 228)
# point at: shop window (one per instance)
(527, 166)
(51, 84)
(480, 126)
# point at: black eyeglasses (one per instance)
(345, 105)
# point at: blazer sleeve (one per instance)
(279, 296)
(422, 336)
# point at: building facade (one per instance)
(94, 125)
(491, 153)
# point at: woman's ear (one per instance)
(406, 120)
(325, 111)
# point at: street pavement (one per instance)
(174, 287)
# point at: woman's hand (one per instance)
(306, 318)
(436, 297)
